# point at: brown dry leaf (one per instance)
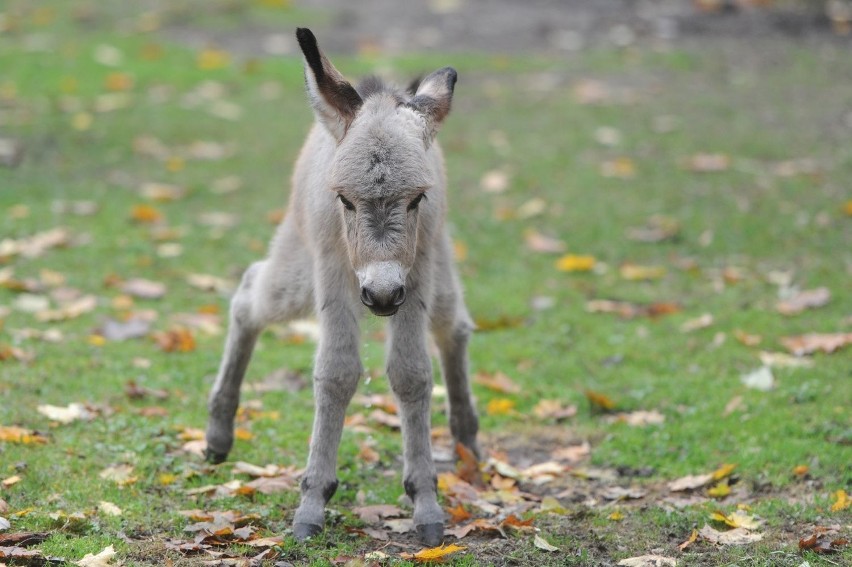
(658, 229)
(12, 434)
(635, 272)
(367, 454)
(11, 481)
(497, 382)
(690, 482)
(384, 418)
(648, 561)
(701, 322)
(122, 475)
(143, 289)
(458, 514)
(35, 245)
(746, 338)
(553, 409)
(480, 524)
(600, 402)
(639, 418)
(69, 310)
(376, 513)
(162, 192)
(26, 556)
(708, 163)
(538, 242)
(824, 540)
(177, 339)
(273, 484)
(808, 299)
(572, 454)
(628, 310)
(737, 536)
(206, 282)
(808, 344)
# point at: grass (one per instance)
(722, 100)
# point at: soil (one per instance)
(391, 27)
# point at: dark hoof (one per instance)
(214, 457)
(303, 531)
(431, 535)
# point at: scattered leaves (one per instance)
(803, 300)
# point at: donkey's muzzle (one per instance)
(383, 303)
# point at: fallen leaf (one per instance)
(177, 339)
(22, 539)
(497, 382)
(538, 242)
(162, 192)
(599, 402)
(400, 525)
(133, 328)
(689, 541)
(122, 475)
(495, 181)
(210, 59)
(66, 415)
(761, 379)
(145, 214)
(639, 418)
(724, 471)
(701, 322)
(575, 263)
(274, 484)
(737, 519)
(823, 540)
(144, 289)
(458, 514)
(803, 300)
(12, 434)
(498, 324)
(206, 282)
(384, 418)
(553, 409)
(737, 536)
(572, 454)
(635, 272)
(690, 482)
(708, 163)
(720, 490)
(11, 481)
(102, 559)
(376, 513)
(648, 561)
(841, 501)
(658, 229)
(782, 360)
(433, 554)
(627, 310)
(25, 555)
(813, 342)
(620, 168)
(109, 508)
(500, 406)
(542, 543)
(69, 310)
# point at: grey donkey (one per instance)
(365, 225)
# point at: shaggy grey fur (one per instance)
(365, 225)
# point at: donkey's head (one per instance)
(381, 170)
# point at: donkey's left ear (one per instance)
(334, 100)
(434, 97)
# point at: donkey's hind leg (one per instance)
(276, 289)
(451, 328)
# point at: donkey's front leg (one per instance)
(337, 369)
(410, 373)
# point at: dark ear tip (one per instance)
(305, 37)
(452, 77)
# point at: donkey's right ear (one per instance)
(334, 100)
(433, 97)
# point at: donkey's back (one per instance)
(365, 228)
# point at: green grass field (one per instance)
(85, 89)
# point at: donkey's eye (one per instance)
(416, 202)
(346, 204)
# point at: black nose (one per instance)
(383, 303)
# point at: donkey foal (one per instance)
(365, 225)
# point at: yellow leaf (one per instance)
(82, 121)
(801, 470)
(166, 479)
(145, 214)
(689, 541)
(12, 480)
(243, 434)
(841, 501)
(459, 250)
(435, 554)
(616, 516)
(621, 168)
(723, 471)
(20, 435)
(575, 263)
(500, 406)
(97, 340)
(847, 208)
(118, 82)
(211, 58)
(738, 519)
(720, 490)
(600, 401)
(635, 272)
